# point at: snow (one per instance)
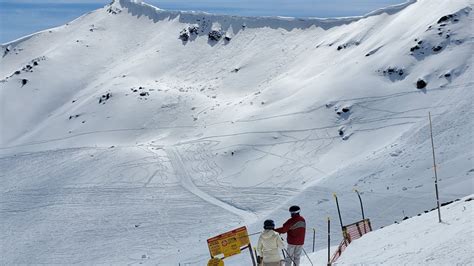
(199, 137)
(421, 240)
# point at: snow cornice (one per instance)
(139, 8)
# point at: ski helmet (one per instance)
(268, 224)
(294, 209)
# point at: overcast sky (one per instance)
(22, 17)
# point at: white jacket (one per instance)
(270, 245)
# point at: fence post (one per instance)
(361, 205)
(362, 209)
(338, 211)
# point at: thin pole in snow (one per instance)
(362, 208)
(360, 200)
(251, 255)
(434, 164)
(329, 241)
(338, 211)
(314, 236)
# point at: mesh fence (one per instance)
(350, 233)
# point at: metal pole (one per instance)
(362, 208)
(307, 257)
(289, 256)
(314, 236)
(256, 254)
(434, 164)
(338, 211)
(329, 241)
(251, 255)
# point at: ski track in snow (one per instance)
(187, 183)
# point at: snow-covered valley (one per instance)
(132, 134)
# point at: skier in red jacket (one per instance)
(295, 228)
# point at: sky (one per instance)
(22, 17)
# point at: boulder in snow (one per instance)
(447, 18)
(421, 84)
(215, 35)
(105, 97)
(184, 35)
(193, 29)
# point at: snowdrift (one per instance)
(132, 134)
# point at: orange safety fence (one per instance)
(350, 233)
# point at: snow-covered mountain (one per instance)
(133, 134)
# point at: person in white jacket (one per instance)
(270, 245)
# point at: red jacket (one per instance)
(295, 228)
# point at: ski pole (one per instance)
(307, 257)
(288, 255)
(314, 236)
(253, 234)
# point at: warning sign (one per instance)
(215, 262)
(228, 244)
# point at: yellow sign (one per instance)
(228, 244)
(215, 262)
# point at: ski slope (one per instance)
(121, 143)
(421, 240)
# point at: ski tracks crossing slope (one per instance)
(186, 181)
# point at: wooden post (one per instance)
(434, 164)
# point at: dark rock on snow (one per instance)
(105, 97)
(421, 84)
(446, 18)
(414, 48)
(215, 35)
(193, 29)
(184, 35)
